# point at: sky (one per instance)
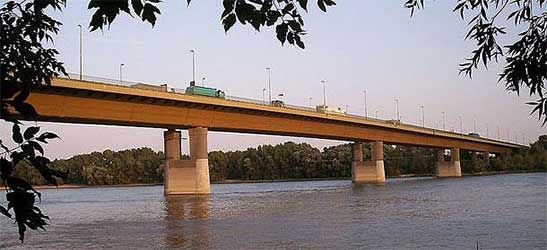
(358, 45)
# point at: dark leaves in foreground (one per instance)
(283, 14)
(525, 60)
(26, 64)
(20, 194)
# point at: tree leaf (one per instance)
(16, 134)
(30, 132)
(281, 31)
(229, 21)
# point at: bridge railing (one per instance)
(121, 82)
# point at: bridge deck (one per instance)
(74, 101)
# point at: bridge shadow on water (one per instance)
(187, 222)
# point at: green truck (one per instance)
(205, 91)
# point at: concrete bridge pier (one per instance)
(486, 158)
(186, 176)
(368, 171)
(450, 168)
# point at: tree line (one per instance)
(276, 162)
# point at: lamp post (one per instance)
(474, 125)
(309, 101)
(193, 65)
(423, 116)
(487, 131)
(397, 109)
(366, 112)
(376, 114)
(269, 82)
(264, 96)
(444, 120)
(324, 82)
(498, 132)
(461, 124)
(81, 51)
(121, 73)
(203, 81)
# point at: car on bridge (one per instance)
(474, 134)
(278, 103)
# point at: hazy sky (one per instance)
(357, 45)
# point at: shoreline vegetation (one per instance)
(406, 176)
(276, 163)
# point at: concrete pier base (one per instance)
(187, 176)
(368, 171)
(450, 168)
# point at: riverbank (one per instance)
(233, 181)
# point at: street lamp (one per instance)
(397, 109)
(444, 120)
(423, 116)
(203, 81)
(309, 101)
(324, 82)
(121, 79)
(474, 125)
(376, 115)
(366, 113)
(193, 65)
(81, 51)
(487, 131)
(461, 124)
(269, 82)
(264, 95)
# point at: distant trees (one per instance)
(283, 161)
(141, 165)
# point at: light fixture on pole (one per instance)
(444, 120)
(461, 124)
(269, 82)
(423, 116)
(264, 95)
(203, 81)
(309, 101)
(376, 114)
(366, 112)
(81, 51)
(324, 82)
(121, 73)
(193, 66)
(398, 118)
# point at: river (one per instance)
(497, 212)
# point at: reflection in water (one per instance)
(187, 222)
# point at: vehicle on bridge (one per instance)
(205, 91)
(327, 109)
(146, 86)
(474, 134)
(278, 103)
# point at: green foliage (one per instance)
(283, 14)
(24, 64)
(525, 59)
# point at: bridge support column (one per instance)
(486, 158)
(450, 168)
(186, 176)
(368, 171)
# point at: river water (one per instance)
(497, 212)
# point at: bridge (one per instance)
(141, 105)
